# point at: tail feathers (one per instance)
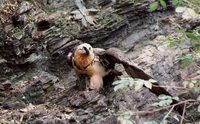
(157, 90)
(114, 55)
(136, 72)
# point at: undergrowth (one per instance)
(164, 103)
(182, 35)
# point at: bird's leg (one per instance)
(87, 85)
(81, 81)
(96, 82)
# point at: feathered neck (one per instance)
(82, 61)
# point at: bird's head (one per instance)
(84, 49)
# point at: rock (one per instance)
(36, 35)
(42, 85)
(48, 120)
(97, 101)
(8, 28)
(2, 61)
(103, 2)
(35, 93)
(5, 71)
(19, 18)
(63, 43)
(33, 58)
(24, 7)
(77, 99)
(13, 103)
(33, 52)
(7, 85)
(44, 21)
(108, 120)
(92, 96)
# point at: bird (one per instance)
(96, 63)
(85, 61)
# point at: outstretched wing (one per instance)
(114, 55)
(104, 58)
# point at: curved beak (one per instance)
(86, 50)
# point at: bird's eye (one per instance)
(90, 48)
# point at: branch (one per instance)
(170, 87)
(166, 107)
(168, 113)
(182, 117)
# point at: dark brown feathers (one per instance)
(113, 55)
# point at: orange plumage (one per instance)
(84, 61)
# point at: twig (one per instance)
(168, 113)
(21, 119)
(170, 87)
(166, 107)
(182, 117)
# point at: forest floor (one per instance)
(38, 86)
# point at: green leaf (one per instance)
(125, 117)
(131, 82)
(165, 102)
(120, 86)
(138, 86)
(185, 57)
(120, 81)
(194, 81)
(154, 6)
(175, 98)
(163, 3)
(123, 83)
(153, 81)
(164, 97)
(190, 14)
(175, 2)
(198, 108)
(148, 84)
(155, 104)
(164, 122)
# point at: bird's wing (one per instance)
(115, 55)
(103, 58)
(69, 58)
(98, 51)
